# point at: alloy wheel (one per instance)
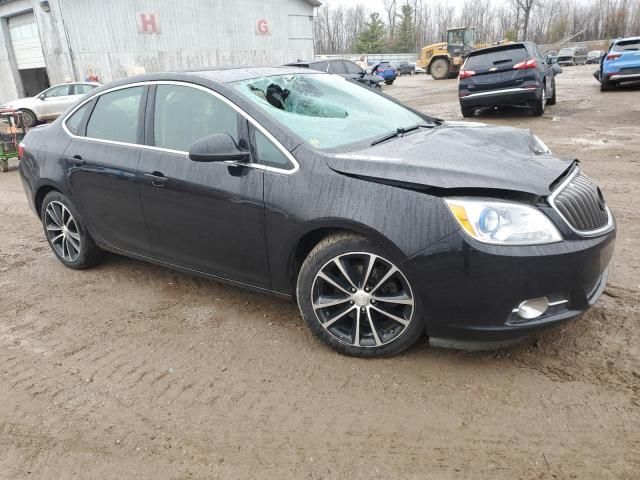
(362, 299)
(62, 231)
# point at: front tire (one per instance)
(66, 233)
(354, 296)
(439, 69)
(29, 119)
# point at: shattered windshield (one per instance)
(325, 110)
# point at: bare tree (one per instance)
(337, 27)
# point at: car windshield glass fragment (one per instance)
(567, 51)
(326, 111)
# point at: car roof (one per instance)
(233, 74)
(75, 83)
(219, 75)
(625, 39)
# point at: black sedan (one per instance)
(507, 75)
(291, 182)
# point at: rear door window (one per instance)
(116, 116)
(497, 58)
(82, 89)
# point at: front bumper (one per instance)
(496, 98)
(470, 289)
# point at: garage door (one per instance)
(26, 41)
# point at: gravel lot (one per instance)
(129, 370)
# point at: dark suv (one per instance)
(573, 56)
(512, 74)
(344, 68)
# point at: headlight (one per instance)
(503, 223)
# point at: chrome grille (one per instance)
(580, 203)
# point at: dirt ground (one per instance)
(130, 370)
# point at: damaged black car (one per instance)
(382, 223)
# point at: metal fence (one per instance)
(589, 45)
(394, 58)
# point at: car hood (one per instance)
(21, 103)
(459, 155)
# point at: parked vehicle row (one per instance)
(384, 69)
(381, 222)
(345, 68)
(572, 56)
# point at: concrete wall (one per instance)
(102, 36)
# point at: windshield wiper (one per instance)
(400, 132)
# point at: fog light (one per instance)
(533, 308)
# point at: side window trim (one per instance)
(148, 115)
(253, 122)
(255, 155)
(83, 126)
(150, 119)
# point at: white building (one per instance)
(44, 42)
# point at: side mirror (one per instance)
(42, 96)
(219, 147)
(557, 69)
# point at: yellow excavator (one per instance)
(443, 60)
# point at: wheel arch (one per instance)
(319, 231)
(42, 192)
(32, 112)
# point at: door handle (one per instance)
(157, 179)
(77, 160)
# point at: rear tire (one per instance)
(605, 86)
(29, 119)
(66, 233)
(552, 100)
(439, 69)
(365, 293)
(538, 106)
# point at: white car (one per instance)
(49, 104)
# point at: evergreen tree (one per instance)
(405, 31)
(371, 39)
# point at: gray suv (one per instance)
(573, 56)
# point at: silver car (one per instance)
(49, 104)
